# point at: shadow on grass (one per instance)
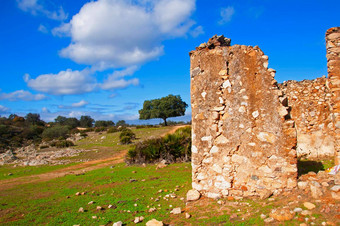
(305, 166)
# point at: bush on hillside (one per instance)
(112, 130)
(56, 132)
(62, 144)
(126, 136)
(172, 148)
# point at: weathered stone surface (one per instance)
(333, 63)
(154, 222)
(119, 223)
(309, 205)
(236, 132)
(176, 210)
(311, 111)
(193, 195)
(282, 214)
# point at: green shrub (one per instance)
(55, 132)
(126, 136)
(112, 130)
(99, 129)
(62, 143)
(173, 148)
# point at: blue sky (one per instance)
(104, 58)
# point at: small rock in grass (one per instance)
(83, 193)
(234, 215)
(81, 210)
(94, 217)
(269, 220)
(99, 208)
(90, 203)
(152, 210)
(138, 219)
(78, 193)
(193, 195)
(160, 191)
(305, 212)
(135, 204)
(154, 222)
(176, 210)
(309, 205)
(187, 216)
(282, 214)
(263, 216)
(133, 180)
(134, 172)
(297, 210)
(119, 223)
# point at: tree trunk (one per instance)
(165, 123)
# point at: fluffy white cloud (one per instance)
(120, 33)
(116, 80)
(226, 14)
(45, 110)
(4, 109)
(22, 95)
(35, 8)
(64, 83)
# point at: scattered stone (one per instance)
(269, 220)
(309, 205)
(94, 217)
(306, 212)
(302, 185)
(138, 219)
(316, 189)
(154, 222)
(193, 195)
(152, 210)
(119, 223)
(176, 210)
(134, 172)
(233, 216)
(187, 215)
(162, 164)
(78, 193)
(99, 208)
(81, 210)
(297, 210)
(263, 216)
(133, 180)
(264, 193)
(282, 214)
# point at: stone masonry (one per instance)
(333, 64)
(310, 109)
(243, 136)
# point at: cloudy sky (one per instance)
(103, 58)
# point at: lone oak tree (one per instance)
(166, 107)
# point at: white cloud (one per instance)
(116, 81)
(197, 31)
(42, 29)
(4, 109)
(64, 83)
(131, 32)
(35, 8)
(45, 110)
(22, 95)
(81, 103)
(226, 14)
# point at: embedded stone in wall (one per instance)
(243, 138)
(333, 64)
(311, 111)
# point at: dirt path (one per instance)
(76, 169)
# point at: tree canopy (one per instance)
(165, 107)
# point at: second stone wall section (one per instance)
(311, 110)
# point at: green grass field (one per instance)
(132, 190)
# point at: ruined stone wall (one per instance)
(310, 109)
(333, 64)
(243, 140)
